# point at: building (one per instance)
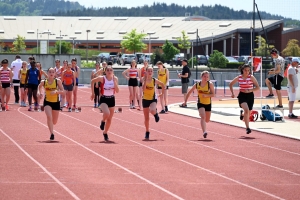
(232, 37)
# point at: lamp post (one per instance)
(212, 43)
(87, 43)
(73, 38)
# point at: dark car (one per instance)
(103, 57)
(127, 58)
(177, 60)
(201, 59)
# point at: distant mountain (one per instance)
(68, 8)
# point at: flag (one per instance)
(257, 64)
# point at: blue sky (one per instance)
(287, 8)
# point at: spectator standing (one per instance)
(15, 67)
(184, 75)
(292, 86)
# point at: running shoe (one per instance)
(166, 108)
(52, 136)
(278, 106)
(162, 111)
(6, 107)
(70, 109)
(133, 107)
(156, 117)
(241, 115)
(204, 134)
(102, 125)
(248, 130)
(105, 136)
(270, 96)
(30, 109)
(95, 105)
(147, 135)
(292, 116)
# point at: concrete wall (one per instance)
(47, 60)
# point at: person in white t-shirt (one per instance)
(292, 86)
(15, 67)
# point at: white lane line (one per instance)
(183, 161)
(108, 160)
(41, 166)
(264, 145)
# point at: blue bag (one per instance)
(268, 114)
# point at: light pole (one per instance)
(87, 43)
(149, 34)
(37, 41)
(73, 38)
(212, 43)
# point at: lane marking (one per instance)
(183, 161)
(41, 166)
(108, 160)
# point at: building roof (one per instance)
(112, 29)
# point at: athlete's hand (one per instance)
(92, 97)
(232, 95)
(52, 92)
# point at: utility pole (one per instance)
(87, 43)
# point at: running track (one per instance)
(177, 163)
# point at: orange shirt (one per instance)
(68, 77)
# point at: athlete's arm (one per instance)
(163, 87)
(45, 74)
(19, 75)
(234, 81)
(60, 87)
(211, 90)
(41, 85)
(116, 80)
(93, 81)
(78, 72)
(255, 83)
(189, 93)
(124, 73)
(167, 72)
(74, 79)
(39, 76)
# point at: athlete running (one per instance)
(247, 85)
(69, 79)
(6, 80)
(53, 87)
(149, 98)
(163, 76)
(22, 77)
(205, 90)
(109, 86)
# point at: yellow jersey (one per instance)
(48, 88)
(149, 92)
(162, 75)
(203, 90)
(23, 73)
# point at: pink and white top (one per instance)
(108, 87)
(5, 76)
(133, 73)
(245, 84)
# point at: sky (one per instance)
(285, 8)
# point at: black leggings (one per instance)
(32, 91)
(97, 95)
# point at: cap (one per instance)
(185, 60)
(4, 61)
(273, 51)
(295, 60)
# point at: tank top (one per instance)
(108, 87)
(33, 76)
(245, 84)
(149, 92)
(162, 75)
(143, 71)
(76, 69)
(5, 76)
(58, 72)
(23, 73)
(133, 73)
(203, 90)
(48, 88)
(68, 77)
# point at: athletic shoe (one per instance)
(30, 109)
(162, 111)
(278, 106)
(166, 108)
(248, 130)
(70, 109)
(6, 107)
(95, 105)
(52, 136)
(147, 135)
(204, 134)
(241, 115)
(270, 96)
(61, 108)
(102, 125)
(292, 116)
(105, 136)
(133, 107)
(156, 117)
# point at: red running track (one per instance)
(176, 163)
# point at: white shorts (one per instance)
(292, 96)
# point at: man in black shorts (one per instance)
(277, 77)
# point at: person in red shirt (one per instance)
(69, 79)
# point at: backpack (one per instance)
(269, 115)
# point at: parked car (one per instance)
(127, 59)
(146, 57)
(231, 59)
(201, 59)
(138, 56)
(103, 57)
(177, 59)
(244, 59)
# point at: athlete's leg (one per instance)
(146, 118)
(48, 112)
(109, 119)
(74, 95)
(246, 113)
(202, 114)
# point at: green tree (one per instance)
(169, 50)
(66, 47)
(263, 49)
(184, 41)
(157, 56)
(217, 60)
(19, 44)
(292, 48)
(133, 41)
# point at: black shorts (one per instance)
(108, 100)
(159, 87)
(146, 103)
(207, 107)
(23, 85)
(133, 82)
(140, 84)
(246, 98)
(68, 87)
(5, 85)
(53, 105)
(32, 86)
(276, 81)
